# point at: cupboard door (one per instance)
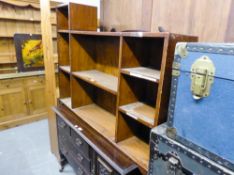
(36, 99)
(12, 103)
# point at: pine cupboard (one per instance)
(22, 99)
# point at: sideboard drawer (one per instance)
(83, 161)
(80, 144)
(77, 168)
(63, 128)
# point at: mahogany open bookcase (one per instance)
(118, 83)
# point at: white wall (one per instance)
(87, 2)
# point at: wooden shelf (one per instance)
(99, 79)
(64, 82)
(137, 149)
(66, 69)
(146, 34)
(66, 102)
(24, 19)
(21, 75)
(140, 112)
(95, 33)
(10, 58)
(63, 31)
(143, 73)
(98, 118)
(62, 17)
(11, 36)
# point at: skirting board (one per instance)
(21, 121)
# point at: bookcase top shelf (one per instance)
(123, 34)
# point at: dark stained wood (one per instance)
(84, 49)
(95, 52)
(104, 148)
(166, 72)
(147, 50)
(133, 140)
(85, 95)
(89, 94)
(105, 90)
(62, 17)
(64, 84)
(94, 33)
(82, 17)
(63, 49)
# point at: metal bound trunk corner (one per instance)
(201, 109)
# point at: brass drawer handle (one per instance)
(61, 124)
(105, 166)
(78, 142)
(80, 157)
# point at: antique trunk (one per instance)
(169, 157)
(201, 111)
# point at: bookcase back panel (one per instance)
(89, 52)
(128, 127)
(105, 100)
(64, 85)
(62, 18)
(107, 55)
(134, 89)
(85, 94)
(81, 93)
(82, 53)
(83, 17)
(142, 52)
(63, 48)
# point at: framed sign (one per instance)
(29, 52)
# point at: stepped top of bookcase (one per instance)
(124, 34)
